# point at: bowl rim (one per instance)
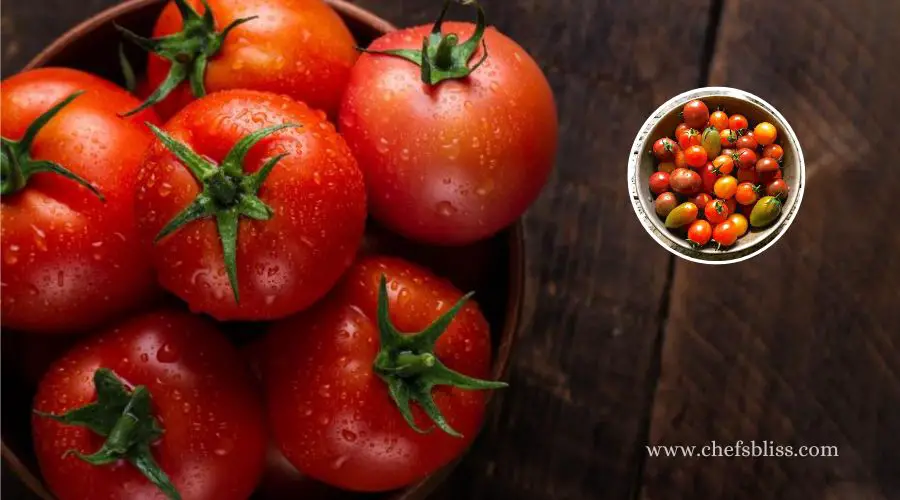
(665, 238)
(515, 235)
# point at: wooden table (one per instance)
(625, 345)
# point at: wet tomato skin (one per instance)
(666, 166)
(765, 133)
(700, 232)
(739, 221)
(725, 233)
(778, 188)
(773, 151)
(696, 114)
(746, 141)
(719, 120)
(728, 138)
(659, 182)
(716, 211)
(664, 149)
(701, 200)
(682, 215)
(766, 164)
(738, 122)
(685, 181)
(695, 156)
(665, 203)
(745, 158)
(688, 138)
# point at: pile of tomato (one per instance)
(229, 190)
(718, 177)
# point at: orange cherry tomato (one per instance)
(746, 193)
(725, 187)
(700, 232)
(719, 120)
(716, 211)
(773, 151)
(765, 133)
(725, 233)
(666, 166)
(695, 156)
(739, 222)
(738, 122)
(724, 164)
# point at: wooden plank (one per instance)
(800, 346)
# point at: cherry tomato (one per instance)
(724, 164)
(728, 138)
(688, 138)
(682, 215)
(716, 211)
(725, 234)
(700, 232)
(744, 158)
(711, 142)
(732, 205)
(773, 151)
(701, 200)
(719, 120)
(665, 203)
(778, 188)
(666, 167)
(685, 181)
(740, 223)
(767, 177)
(695, 156)
(738, 123)
(767, 164)
(298, 48)
(457, 161)
(765, 133)
(725, 187)
(664, 149)
(695, 114)
(747, 140)
(747, 175)
(727, 151)
(680, 129)
(680, 161)
(328, 370)
(746, 193)
(709, 177)
(659, 182)
(211, 437)
(307, 216)
(70, 261)
(766, 210)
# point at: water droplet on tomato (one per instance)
(382, 146)
(270, 299)
(168, 353)
(60, 279)
(337, 464)
(324, 420)
(348, 435)
(495, 86)
(485, 188)
(165, 189)
(145, 357)
(12, 255)
(446, 208)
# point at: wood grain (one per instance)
(800, 345)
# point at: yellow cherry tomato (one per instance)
(725, 187)
(765, 133)
(739, 222)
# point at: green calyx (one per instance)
(410, 369)
(443, 57)
(227, 192)
(189, 50)
(16, 164)
(126, 420)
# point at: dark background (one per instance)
(624, 344)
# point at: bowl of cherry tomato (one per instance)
(716, 175)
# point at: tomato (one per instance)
(767, 177)
(71, 261)
(664, 149)
(725, 187)
(688, 138)
(747, 175)
(719, 120)
(738, 123)
(766, 164)
(209, 440)
(709, 177)
(727, 152)
(728, 138)
(777, 188)
(725, 233)
(724, 164)
(680, 161)
(700, 232)
(746, 193)
(716, 211)
(270, 244)
(766, 210)
(695, 156)
(740, 223)
(685, 181)
(682, 215)
(765, 133)
(711, 142)
(732, 205)
(666, 167)
(701, 200)
(695, 114)
(680, 129)
(773, 151)
(299, 48)
(328, 371)
(746, 141)
(665, 203)
(454, 162)
(744, 158)
(659, 182)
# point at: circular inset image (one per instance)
(716, 175)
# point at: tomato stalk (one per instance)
(227, 192)
(189, 50)
(126, 420)
(17, 165)
(443, 57)
(410, 369)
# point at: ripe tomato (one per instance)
(665, 203)
(724, 164)
(682, 215)
(659, 182)
(740, 224)
(328, 372)
(680, 161)
(296, 237)
(744, 158)
(746, 193)
(71, 261)
(728, 138)
(767, 177)
(766, 164)
(299, 48)
(725, 233)
(701, 200)
(456, 161)
(765, 133)
(777, 188)
(666, 167)
(719, 120)
(725, 187)
(731, 204)
(747, 175)
(664, 149)
(700, 232)
(204, 430)
(695, 114)
(716, 211)
(738, 123)
(709, 177)
(690, 137)
(685, 181)
(773, 151)
(695, 156)
(680, 129)
(747, 140)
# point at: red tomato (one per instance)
(731, 204)
(747, 175)
(690, 137)
(695, 114)
(744, 158)
(719, 120)
(664, 149)
(299, 48)
(738, 123)
(455, 162)
(327, 377)
(773, 151)
(700, 232)
(777, 188)
(70, 261)
(728, 138)
(665, 203)
(724, 164)
(680, 129)
(213, 436)
(767, 177)
(725, 233)
(766, 164)
(695, 156)
(306, 232)
(746, 141)
(666, 167)
(716, 211)
(746, 193)
(709, 177)
(685, 181)
(701, 200)
(727, 152)
(659, 182)
(680, 161)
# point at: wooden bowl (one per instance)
(661, 124)
(92, 46)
